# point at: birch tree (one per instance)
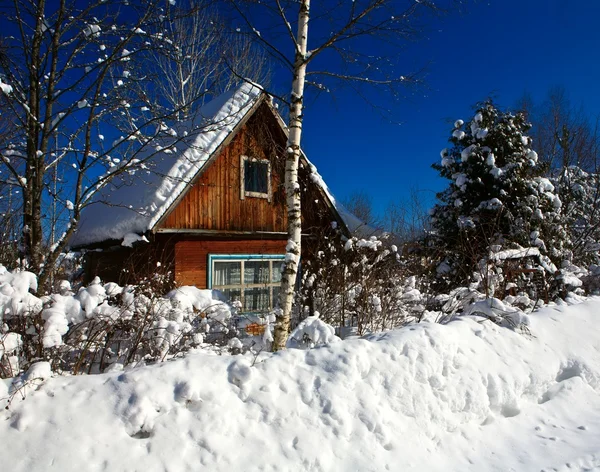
(353, 43)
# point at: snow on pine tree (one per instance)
(497, 199)
(579, 192)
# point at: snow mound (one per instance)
(312, 332)
(15, 296)
(467, 395)
(495, 310)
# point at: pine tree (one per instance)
(579, 192)
(497, 198)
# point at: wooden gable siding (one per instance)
(191, 257)
(214, 203)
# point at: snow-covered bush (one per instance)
(360, 285)
(500, 313)
(312, 332)
(579, 192)
(104, 326)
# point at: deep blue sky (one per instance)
(498, 48)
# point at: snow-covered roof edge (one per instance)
(242, 117)
(236, 108)
(353, 225)
(108, 219)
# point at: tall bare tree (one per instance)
(10, 201)
(204, 56)
(564, 135)
(352, 43)
(408, 219)
(76, 80)
(360, 204)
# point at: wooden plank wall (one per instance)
(214, 203)
(125, 265)
(191, 257)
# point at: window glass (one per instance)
(254, 282)
(232, 294)
(276, 274)
(256, 272)
(256, 175)
(256, 299)
(227, 273)
(276, 291)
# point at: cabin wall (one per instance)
(191, 257)
(187, 260)
(125, 265)
(212, 206)
(214, 201)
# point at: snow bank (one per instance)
(312, 332)
(468, 395)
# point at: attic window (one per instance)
(255, 178)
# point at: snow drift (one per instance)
(468, 395)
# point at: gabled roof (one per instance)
(137, 202)
(354, 225)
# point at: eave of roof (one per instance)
(157, 191)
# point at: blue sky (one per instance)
(499, 48)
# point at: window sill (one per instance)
(257, 195)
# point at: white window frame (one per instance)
(243, 192)
(242, 259)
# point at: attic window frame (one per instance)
(245, 193)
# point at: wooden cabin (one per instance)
(208, 206)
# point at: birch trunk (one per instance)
(292, 187)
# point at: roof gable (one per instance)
(139, 201)
(217, 201)
(136, 203)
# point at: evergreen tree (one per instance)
(579, 192)
(497, 198)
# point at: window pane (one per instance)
(276, 275)
(256, 176)
(227, 273)
(256, 272)
(232, 294)
(256, 299)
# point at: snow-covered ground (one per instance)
(468, 395)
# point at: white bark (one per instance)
(292, 187)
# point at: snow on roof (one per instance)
(135, 203)
(355, 225)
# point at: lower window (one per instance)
(252, 279)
